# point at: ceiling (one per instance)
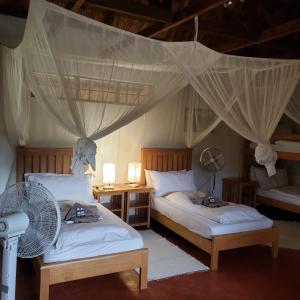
(261, 28)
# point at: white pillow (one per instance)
(149, 181)
(168, 182)
(27, 175)
(265, 182)
(70, 187)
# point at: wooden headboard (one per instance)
(165, 160)
(42, 160)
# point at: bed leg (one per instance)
(44, 284)
(214, 259)
(275, 249)
(144, 271)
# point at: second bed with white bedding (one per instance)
(288, 194)
(201, 225)
(107, 236)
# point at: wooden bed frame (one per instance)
(248, 160)
(39, 160)
(179, 159)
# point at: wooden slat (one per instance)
(28, 163)
(36, 164)
(136, 9)
(182, 16)
(51, 163)
(77, 5)
(270, 34)
(66, 164)
(42, 160)
(44, 164)
(58, 164)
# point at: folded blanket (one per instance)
(229, 214)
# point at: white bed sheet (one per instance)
(131, 242)
(288, 147)
(201, 225)
(288, 194)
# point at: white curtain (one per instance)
(15, 96)
(198, 118)
(94, 79)
(293, 108)
(248, 94)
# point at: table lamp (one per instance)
(134, 173)
(109, 174)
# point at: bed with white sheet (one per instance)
(202, 225)
(107, 236)
(283, 196)
(169, 172)
(276, 190)
(81, 250)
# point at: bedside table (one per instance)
(125, 199)
(140, 205)
(238, 190)
(116, 202)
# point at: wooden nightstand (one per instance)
(132, 204)
(140, 206)
(239, 191)
(116, 202)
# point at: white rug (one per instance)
(166, 259)
(289, 234)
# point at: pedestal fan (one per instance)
(29, 224)
(213, 161)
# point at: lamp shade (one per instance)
(134, 172)
(109, 173)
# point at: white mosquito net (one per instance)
(94, 79)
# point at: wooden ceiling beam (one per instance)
(183, 16)
(267, 35)
(135, 9)
(77, 5)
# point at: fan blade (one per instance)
(208, 162)
(216, 165)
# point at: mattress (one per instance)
(283, 146)
(201, 225)
(288, 194)
(132, 241)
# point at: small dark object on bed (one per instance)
(79, 213)
(209, 201)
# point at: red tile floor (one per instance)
(248, 273)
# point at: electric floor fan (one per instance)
(213, 161)
(29, 224)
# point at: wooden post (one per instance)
(214, 260)
(44, 284)
(144, 271)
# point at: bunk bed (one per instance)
(287, 147)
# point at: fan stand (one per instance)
(211, 198)
(9, 267)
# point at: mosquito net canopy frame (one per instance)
(93, 79)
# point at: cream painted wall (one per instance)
(124, 145)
